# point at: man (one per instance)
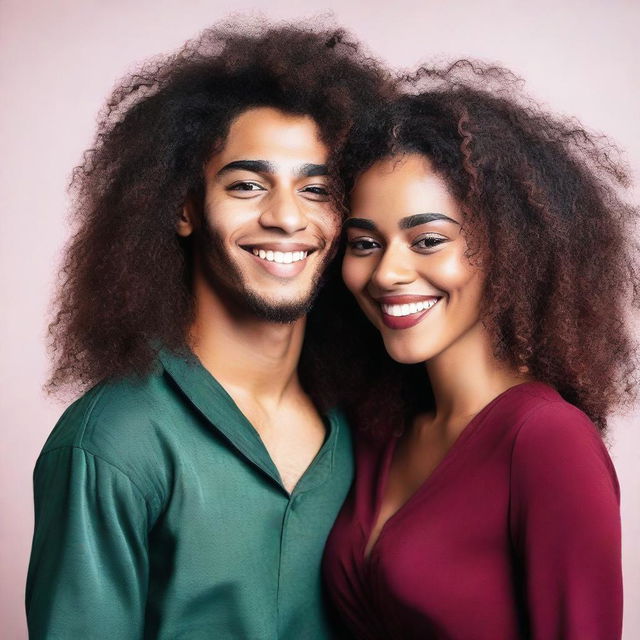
(189, 492)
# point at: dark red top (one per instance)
(516, 534)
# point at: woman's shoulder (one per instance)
(555, 443)
(537, 410)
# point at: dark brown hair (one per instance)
(544, 218)
(125, 287)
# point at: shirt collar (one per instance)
(211, 400)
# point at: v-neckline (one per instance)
(383, 477)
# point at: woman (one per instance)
(487, 246)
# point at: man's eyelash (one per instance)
(241, 186)
(320, 190)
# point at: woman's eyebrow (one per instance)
(405, 223)
(359, 223)
(423, 218)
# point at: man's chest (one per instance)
(293, 441)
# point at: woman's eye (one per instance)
(428, 242)
(362, 245)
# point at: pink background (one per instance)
(58, 61)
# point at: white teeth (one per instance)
(281, 257)
(399, 310)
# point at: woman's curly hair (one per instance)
(125, 286)
(543, 217)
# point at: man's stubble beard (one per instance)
(224, 276)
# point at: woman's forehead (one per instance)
(401, 186)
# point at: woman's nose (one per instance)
(393, 269)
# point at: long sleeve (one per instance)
(565, 524)
(88, 572)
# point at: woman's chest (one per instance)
(445, 551)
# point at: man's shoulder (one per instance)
(115, 418)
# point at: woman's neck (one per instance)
(466, 377)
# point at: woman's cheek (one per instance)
(354, 274)
(451, 270)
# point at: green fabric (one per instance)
(159, 514)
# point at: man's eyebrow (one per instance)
(307, 170)
(255, 166)
(359, 223)
(423, 218)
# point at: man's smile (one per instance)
(281, 259)
(279, 256)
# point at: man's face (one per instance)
(270, 229)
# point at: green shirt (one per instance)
(159, 514)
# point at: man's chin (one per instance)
(282, 312)
(253, 295)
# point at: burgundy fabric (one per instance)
(516, 534)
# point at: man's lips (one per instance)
(283, 260)
(280, 246)
(404, 311)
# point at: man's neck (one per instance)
(256, 362)
(246, 354)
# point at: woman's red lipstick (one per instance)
(405, 311)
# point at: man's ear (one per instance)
(186, 221)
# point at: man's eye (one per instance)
(245, 186)
(316, 191)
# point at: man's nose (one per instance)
(284, 211)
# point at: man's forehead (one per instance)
(283, 141)
(265, 129)
(264, 117)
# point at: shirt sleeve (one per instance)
(565, 521)
(88, 571)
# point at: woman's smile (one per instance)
(404, 311)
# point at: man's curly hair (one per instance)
(543, 217)
(125, 286)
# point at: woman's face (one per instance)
(405, 261)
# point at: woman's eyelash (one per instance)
(362, 244)
(367, 244)
(428, 242)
